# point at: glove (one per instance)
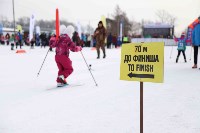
(52, 38)
(78, 48)
(51, 41)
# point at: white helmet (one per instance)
(69, 30)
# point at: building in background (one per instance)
(158, 30)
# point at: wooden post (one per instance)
(141, 107)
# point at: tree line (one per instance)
(119, 15)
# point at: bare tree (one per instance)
(23, 21)
(136, 27)
(5, 22)
(89, 29)
(165, 17)
(121, 16)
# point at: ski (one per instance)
(66, 86)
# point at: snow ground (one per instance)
(30, 105)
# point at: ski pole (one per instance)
(89, 69)
(171, 53)
(43, 62)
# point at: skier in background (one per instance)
(63, 45)
(182, 42)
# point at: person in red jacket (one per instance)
(63, 45)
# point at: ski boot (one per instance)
(60, 84)
(195, 66)
(62, 79)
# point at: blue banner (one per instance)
(189, 36)
(190, 29)
(1, 29)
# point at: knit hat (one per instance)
(69, 30)
(183, 34)
(100, 22)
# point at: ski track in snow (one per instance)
(27, 106)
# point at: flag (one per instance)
(1, 29)
(79, 28)
(121, 28)
(103, 19)
(31, 26)
(37, 30)
(19, 28)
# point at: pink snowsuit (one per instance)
(63, 45)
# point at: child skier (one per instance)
(182, 42)
(63, 45)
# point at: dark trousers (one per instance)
(32, 44)
(19, 43)
(12, 46)
(195, 54)
(100, 44)
(179, 52)
(108, 44)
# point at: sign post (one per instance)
(143, 62)
(141, 107)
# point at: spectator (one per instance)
(114, 40)
(100, 35)
(76, 39)
(2, 39)
(7, 38)
(37, 39)
(43, 39)
(20, 38)
(32, 41)
(109, 40)
(89, 38)
(11, 40)
(196, 43)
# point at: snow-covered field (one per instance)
(31, 104)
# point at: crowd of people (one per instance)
(85, 40)
(100, 39)
(19, 40)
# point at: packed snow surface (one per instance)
(31, 104)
